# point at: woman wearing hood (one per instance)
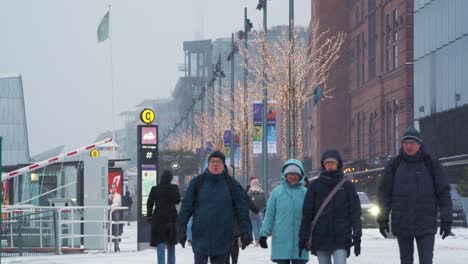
(339, 225)
(164, 198)
(283, 216)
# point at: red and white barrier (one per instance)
(35, 166)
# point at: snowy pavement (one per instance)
(375, 250)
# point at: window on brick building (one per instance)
(372, 38)
(388, 39)
(356, 14)
(395, 38)
(372, 137)
(363, 46)
(388, 128)
(358, 61)
(358, 135)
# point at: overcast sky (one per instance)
(66, 72)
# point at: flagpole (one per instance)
(112, 84)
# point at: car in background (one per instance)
(370, 211)
(458, 211)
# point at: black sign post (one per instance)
(147, 148)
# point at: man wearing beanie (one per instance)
(339, 224)
(212, 198)
(413, 188)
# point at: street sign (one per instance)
(175, 165)
(147, 116)
(94, 153)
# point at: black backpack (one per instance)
(199, 183)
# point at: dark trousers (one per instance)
(425, 246)
(234, 251)
(290, 261)
(203, 259)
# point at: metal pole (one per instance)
(246, 124)
(291, 94)
(232, 107)
(264, 107)
(220, 108)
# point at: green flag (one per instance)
(103, 28)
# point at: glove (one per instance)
(263, 242)
(149, 219)
(181, 239)
(357, 245)
(302, 246)
(246, 239)
(445, 229)
(384, 228)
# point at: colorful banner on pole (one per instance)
(257, 127)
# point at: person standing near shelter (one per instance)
(213, 198)
(164, 197)
(338, 225)
(414, 188)
(127, 201)
(115, 200)
(283, 216)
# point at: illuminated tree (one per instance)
(310, 67)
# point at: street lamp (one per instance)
(230, 57)
(262, 4)
(243, 35)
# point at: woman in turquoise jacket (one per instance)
(284, 214)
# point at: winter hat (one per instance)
(411, 133)
(217, 154)
(332, 154)
(252, 178)
(331, 159)
(292, 168)
(166, 177)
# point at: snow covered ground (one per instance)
(375, 250)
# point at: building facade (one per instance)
(373, 81)
(13, 128)
(440, 74)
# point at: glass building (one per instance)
(13, 129)
(440, 56)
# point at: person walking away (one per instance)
(164, 198)
(257, 196)
(283, 216)
(128, 202)
(213, 198)
(414, 188)
(338, 225)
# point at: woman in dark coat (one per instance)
(164, 198)
(339, 225)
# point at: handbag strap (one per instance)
(324, 204)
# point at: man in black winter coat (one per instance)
(413, 188)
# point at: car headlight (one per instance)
(374, 210)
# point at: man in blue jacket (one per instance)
(414, 187)
(212, 198)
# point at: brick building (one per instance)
(372, 81)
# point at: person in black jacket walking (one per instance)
(339, 225)
(413, 188)
(164, 197)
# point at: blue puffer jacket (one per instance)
(212, 228)
(414, 196)
(283, 217)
